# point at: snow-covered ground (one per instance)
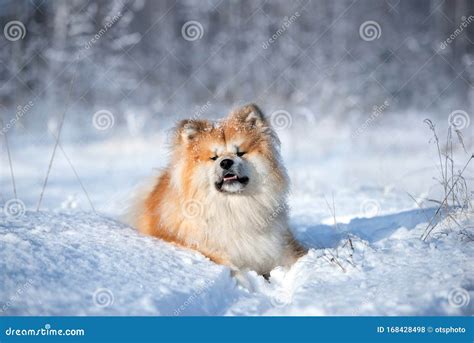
(72, 259)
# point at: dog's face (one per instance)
(235, 156)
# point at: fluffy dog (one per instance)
(224, 194)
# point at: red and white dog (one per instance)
(224, 194)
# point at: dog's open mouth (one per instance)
(231, 179)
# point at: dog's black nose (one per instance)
(226, 164)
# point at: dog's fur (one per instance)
(235, 216)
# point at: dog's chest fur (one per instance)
(250, 231)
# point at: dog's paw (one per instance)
(277, 275)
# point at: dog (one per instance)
(224, 194)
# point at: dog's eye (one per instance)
(214, 158)
(240, 153)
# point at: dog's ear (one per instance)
(189, 129)
(249, 115)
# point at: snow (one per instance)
(72, 261)
(69, 260)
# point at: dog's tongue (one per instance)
(230, 177)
